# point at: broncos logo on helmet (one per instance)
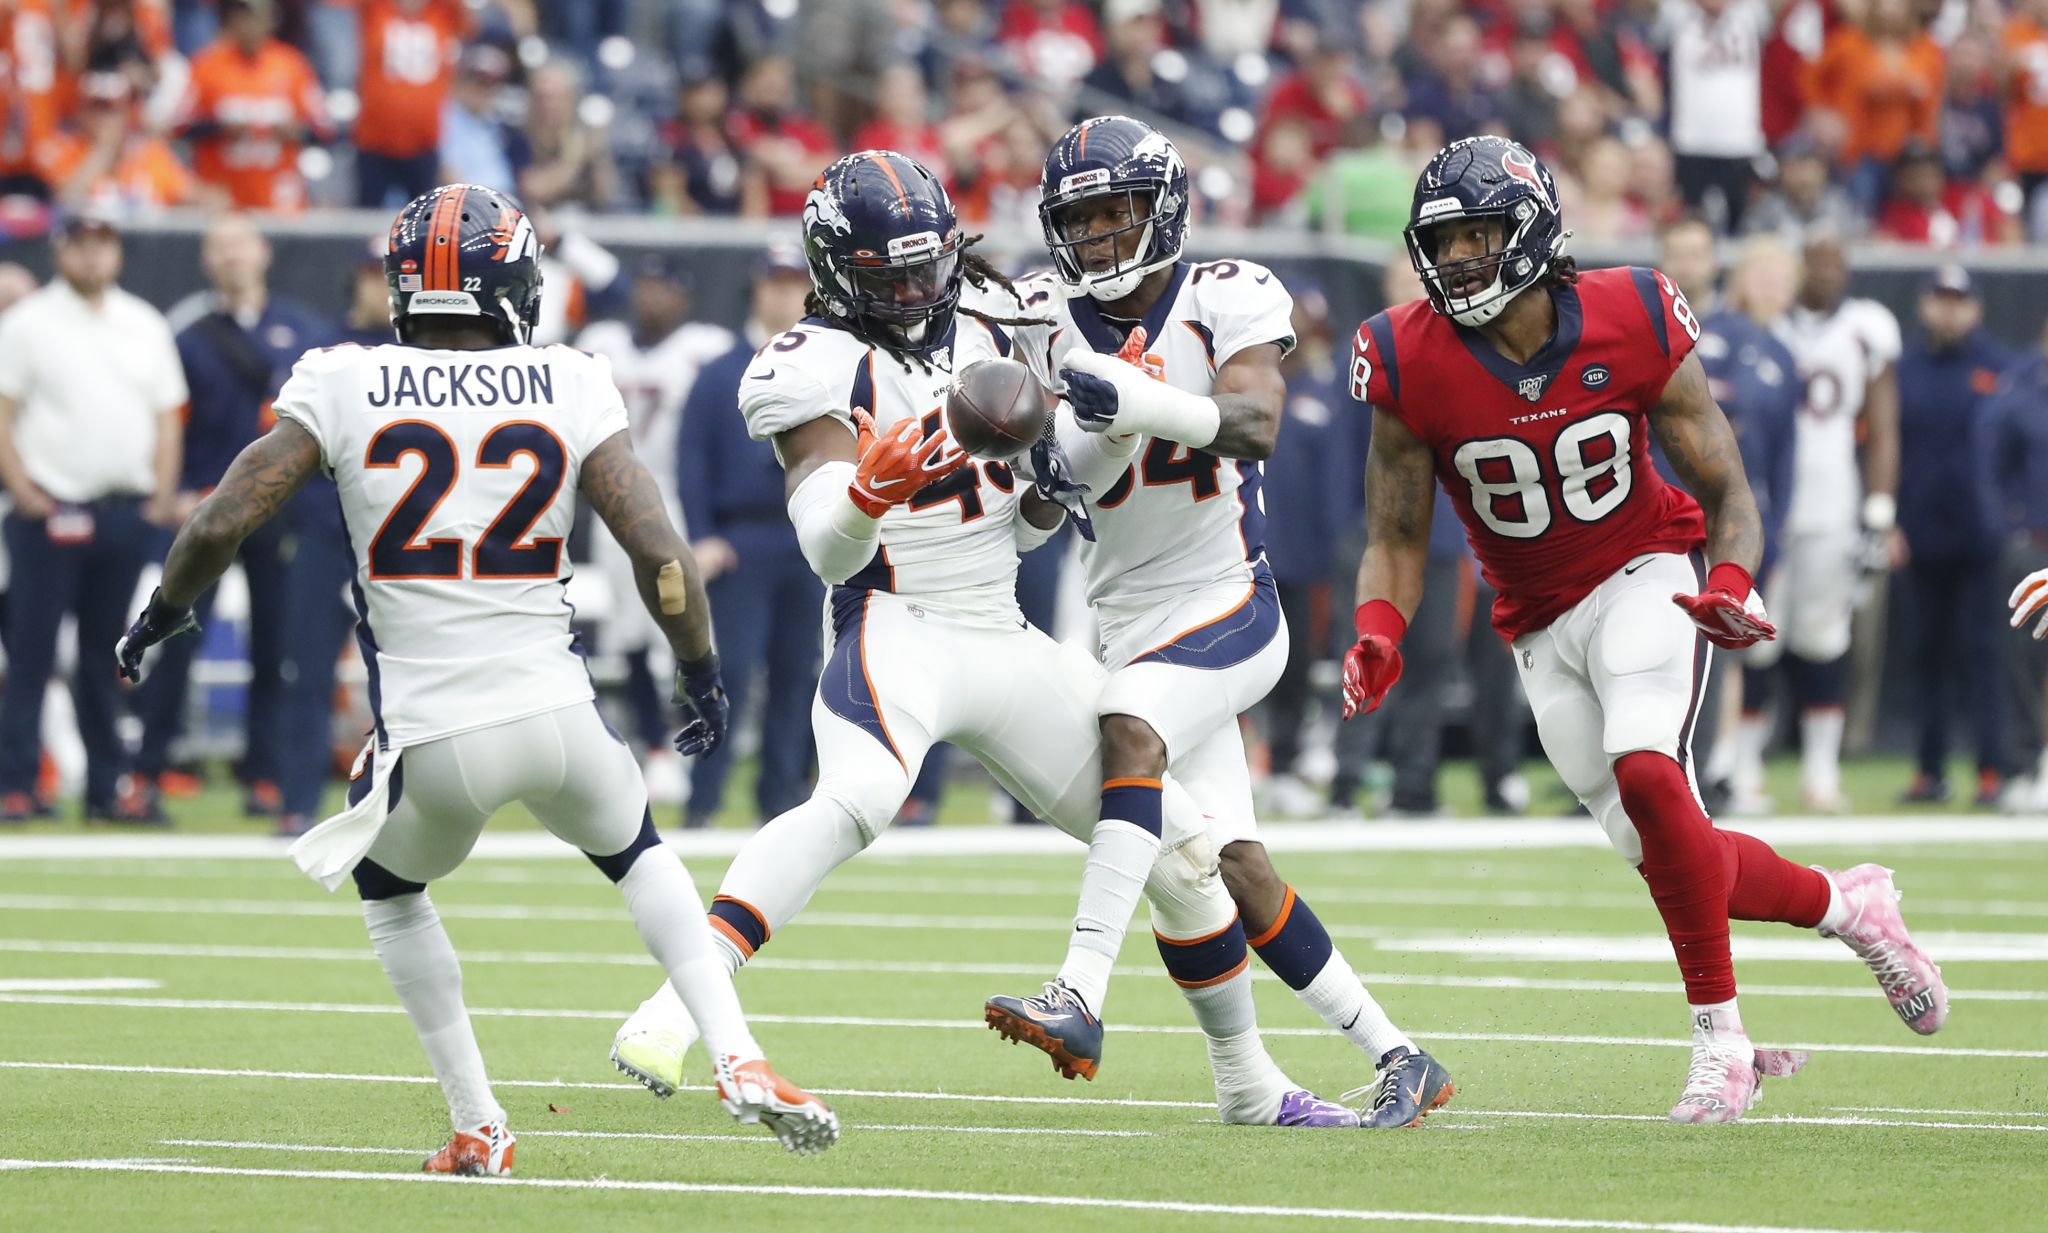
(463, 250)
(1112, 156)
(1501, 189)
(884, 249)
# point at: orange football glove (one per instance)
(1133, 350)
(893, 468)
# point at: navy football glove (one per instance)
(1094, 400)
(701, 695)
(158, 623)
(1053, 475)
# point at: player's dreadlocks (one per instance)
(978, 272)
(1563, 272)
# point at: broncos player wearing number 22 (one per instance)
(1529, 390)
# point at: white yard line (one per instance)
(906, 967)
(102, 984)
(1472, 835)
(960, 1025)
(1766, 1119)
(883, 1193)
(1918, 1112)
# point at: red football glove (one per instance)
(893, 468)
(1373, 663)
(1729, 613)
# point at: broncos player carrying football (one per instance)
(919, 547)
(1530, 391)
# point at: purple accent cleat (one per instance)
(1304, 1108)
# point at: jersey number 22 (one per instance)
(396, 553)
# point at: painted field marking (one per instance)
(962, 1025)
(101, 984)
(910, 967)
(884, 1193)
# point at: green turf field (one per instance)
(208, 1044)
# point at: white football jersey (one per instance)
(655, 381)
(952, 548)
(1178, 518)
(457, 472)
(1839, 355)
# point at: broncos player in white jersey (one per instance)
(1841, 523)
(453, 452)
(1173, 371)
(919, 547)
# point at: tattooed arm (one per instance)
(1400, 501)
(258, 483)
(1250, 397)
(624, 494)
(1701, 446)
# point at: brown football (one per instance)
(996, 409)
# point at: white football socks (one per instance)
(1120, 858)
(1341, 999)
(1249, 1084)
(671, 922)
(1836, 918)
(1718, 1023)
(420, 962)
(1820, 752)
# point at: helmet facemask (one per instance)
(1502, 272)
(1070, 235)
(906, 298)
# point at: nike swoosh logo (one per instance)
(882, 483)
(1416, 1095)
(1042, 1017)
(762, 376)
(1638, 565)
(1088, 929)
(1262, 279)
(1354, 1020)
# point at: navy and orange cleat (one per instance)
(482, 1151)
(1412, 1084)
(752, 1092)
(1057, 1022)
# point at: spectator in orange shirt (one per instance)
(1883, 83)
(409, 51)
(110, 164)
(2025, 67)
(252, 101)
(31, 86)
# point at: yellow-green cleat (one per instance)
(652, 1057)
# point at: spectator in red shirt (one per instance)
(783, 151)
(1054, 42)
(1790, 58)
(1924, 208)
(902, 122)
(408, 61)
(1282, 164)
(1324, 94)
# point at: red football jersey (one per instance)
(1547, 462)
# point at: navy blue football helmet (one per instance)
(467, 251)
(1098, 166)
(1486, 179)
(884, 249)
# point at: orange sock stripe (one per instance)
(752, 911)
(1279, 922)
(1213, 980)
(732, 935)
(1132, 782)
(1207, 937)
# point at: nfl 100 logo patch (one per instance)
(1532, 387)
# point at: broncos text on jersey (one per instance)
(1547, 462)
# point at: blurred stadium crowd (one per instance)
(1921, 121)
(1782, 127)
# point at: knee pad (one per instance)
(1187, 898)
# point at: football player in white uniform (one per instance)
(655, 358)
(1173, 371)
(1841, 522)
(453, 451)
(919, 547)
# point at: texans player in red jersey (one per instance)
(1530, 390)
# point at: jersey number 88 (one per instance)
(1592, 465)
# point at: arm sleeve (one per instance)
(1243, 304)
(836, 538)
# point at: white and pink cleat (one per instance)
(1726, 1080)
(1876, 931)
